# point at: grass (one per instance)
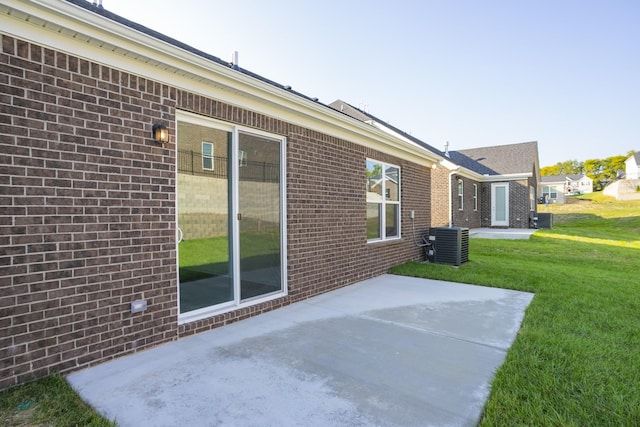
(47, 402)
(201, 258)
(576, 360)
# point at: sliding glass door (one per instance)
(230, 228)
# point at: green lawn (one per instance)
(576, 360)
(200, 258)
(47, 402)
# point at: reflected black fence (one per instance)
(190, 162)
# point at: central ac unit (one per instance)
(448, 245)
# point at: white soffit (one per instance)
(69, 28)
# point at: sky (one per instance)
(472, 73)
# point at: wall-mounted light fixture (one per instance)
(160, 133)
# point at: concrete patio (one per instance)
(389, 351)
(502, 233)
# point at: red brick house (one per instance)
(114, 241)
(482, 187)
(496, 186)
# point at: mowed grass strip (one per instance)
(47, 402)
(576, 360)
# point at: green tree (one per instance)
(604, 171)
(568, 167)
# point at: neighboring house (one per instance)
(483, 187)
(632, 167)
(579, 184)
(257, 200)
(555, 188)
(627, 188)
(508, 176)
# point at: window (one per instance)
(460, 194)
(475, 197)
(383, 213)
(207, 155)
(551, 191)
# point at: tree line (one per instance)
(601, 171)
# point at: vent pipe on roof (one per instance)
(234, 61)
(446, 149)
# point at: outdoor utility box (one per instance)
(545, 220)
(449, 245)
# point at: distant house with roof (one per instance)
(557, 187)
(627, 188)
(481, 187)
(632, 167)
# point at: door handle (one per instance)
(239, 216)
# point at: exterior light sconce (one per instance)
(160, 133)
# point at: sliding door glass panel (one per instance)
(205, 272)
(259, 215)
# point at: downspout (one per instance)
(451, 197)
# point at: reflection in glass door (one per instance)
(205, 273)
(230, 228)
(259, 215)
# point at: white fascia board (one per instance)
(488, 178)
(383, 128)
(69, 28)
(450, 165)
(506, 177)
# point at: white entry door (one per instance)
(500, 204)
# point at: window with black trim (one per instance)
(383, 201)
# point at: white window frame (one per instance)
(237, 303)
(207, 156)
(460, 194)
(384, 202)
(547, 189)
(475, 197)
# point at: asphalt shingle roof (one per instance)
(498, 159)
(356, 113)
(561, 178)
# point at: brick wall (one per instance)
(485, 203)
(518, 204)
(440, 196)
(467, 216)
(88, 212)
(520, 215)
